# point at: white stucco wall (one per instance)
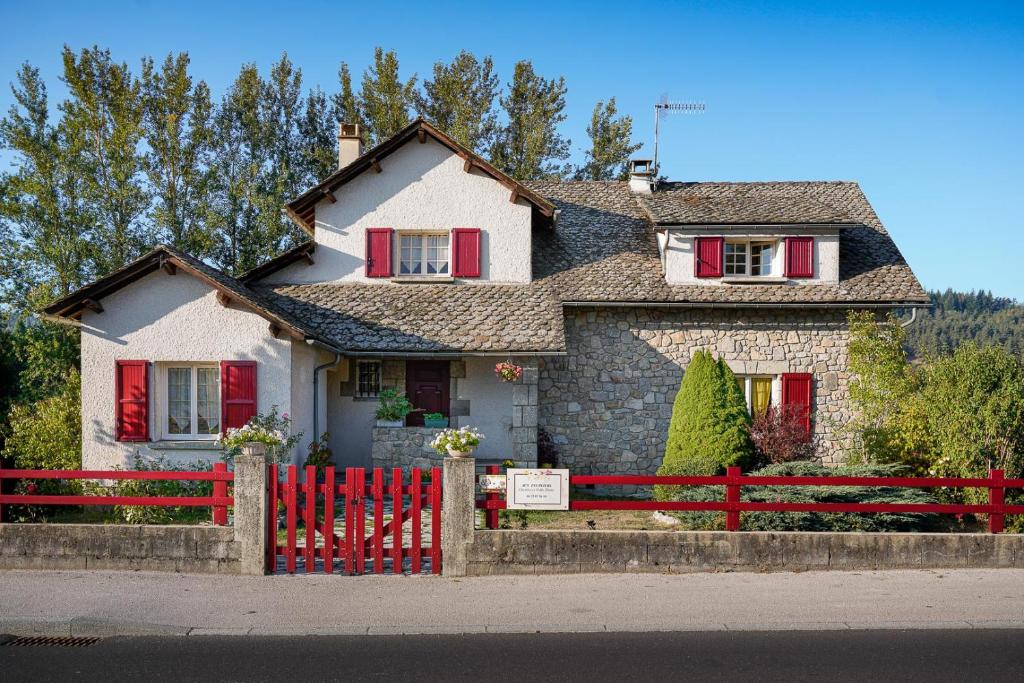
(490, 408)
(421, 187)
(350, 421)
(169, 318)
(679, 256)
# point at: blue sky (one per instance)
(920, 102)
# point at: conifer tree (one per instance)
(611, 144)
(459, 100)
(385, 100)
(710, 426)
(318, 131)
(529, 146)
(344, 103)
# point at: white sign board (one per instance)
(537, 489)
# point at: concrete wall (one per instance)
(607, 404)
(421, 187)
(203, 549)
(679, 256)
(568, 552)
(164, 318)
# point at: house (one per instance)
(425, 266)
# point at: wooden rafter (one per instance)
(375, 165)
(421, 135)
(309, 258)
(168, 265)
(275, 330)
(467, 165)
(93, 305)
(515, 195)
(223, 299)
(329, 196)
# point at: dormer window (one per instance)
(423, 254)
(748, 258)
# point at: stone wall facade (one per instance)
(405, 447)
(608, 402)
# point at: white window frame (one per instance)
(748, 245)
(748, 390)
(164, 404)
(424, 260)
(380, 379)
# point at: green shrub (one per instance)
(47, 434)
(152, 514)
(710, 426)
(814, 521)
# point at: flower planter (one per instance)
(459, 454)
(391, 423)
(440, 423)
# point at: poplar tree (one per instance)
(103, 127)
(45, 226)
(318, 134)
(529, 146)
(176, 122)
(611, 144)
(460, 100)
(345, 105)
(385, 100)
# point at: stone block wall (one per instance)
(405, 447)
(608, 402)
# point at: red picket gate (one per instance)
(314, 504)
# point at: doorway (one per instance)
(427, 384)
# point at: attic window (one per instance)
(748, 258)
(423, 254)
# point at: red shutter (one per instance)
(708, 256)
(237, 392)
(378, 252)
(796, 396)
(131, 419)
(799, 257)
(466, 252)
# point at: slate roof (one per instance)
(744, 204)
(604, 247)
(427, 317)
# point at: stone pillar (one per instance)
(458, 513)
(525, 399)
(251, 508)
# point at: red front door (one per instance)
(427, 386)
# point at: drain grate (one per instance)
(54, 641)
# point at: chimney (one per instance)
(641, 176)
(350, 143)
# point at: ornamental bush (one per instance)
(710, 426)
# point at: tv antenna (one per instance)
(663, 107)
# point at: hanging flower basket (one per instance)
(508, 371)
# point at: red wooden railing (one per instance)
(352, 547)
(734, 480)
(219, 501)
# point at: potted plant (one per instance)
(393, 408)
(270, 429)
(458, 443)
(507, 371)
(319, 456)
(435, 420)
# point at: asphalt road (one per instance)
(925, 655)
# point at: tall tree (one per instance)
(611, 144)
(345, 103)
(45, 225)
(103, 123)
(176, 122)
(529, 147)
(318, 131)
(239, 158)
(460, 100)
(386, 99)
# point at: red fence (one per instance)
(219, 501)
(384, 547)
(733, 481)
